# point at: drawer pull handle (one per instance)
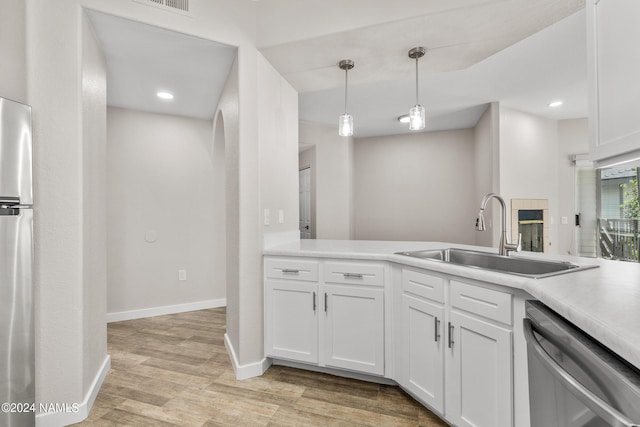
(436, 332)
(451, 342)
(353, 276)
(290, 271)
(326, 304)
(314, 302)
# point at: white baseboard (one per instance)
(250, 370)
(167, 309)
(76, 412)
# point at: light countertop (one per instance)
(604, 302)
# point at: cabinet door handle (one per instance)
(290, 271)
(436, 331)
(451, 342)
(353, 275)
(314, 302)
(326, 305)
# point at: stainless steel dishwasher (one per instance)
(573, 380)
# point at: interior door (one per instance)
(305, 202)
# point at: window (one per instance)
(619, 213)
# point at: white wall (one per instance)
(529, 164)
(333, 180)
(487, 171)
(53, 87)
(227, 118)
(13, 50)
(573, 138)
(278, 130)
(54, 93)
(160, 212)
(415, 187)
(94, 220)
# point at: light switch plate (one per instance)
(267, 217)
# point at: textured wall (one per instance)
(415, 187)
(160, 206)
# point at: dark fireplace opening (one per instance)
(530, 225)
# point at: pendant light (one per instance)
(345, 123)
(416, 113)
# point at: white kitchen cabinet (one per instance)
(422, 357)
(354, 328)
(614, 67)
(479, 356)
(457, 352)
(291, 320)
(479, 373)
(328, 313)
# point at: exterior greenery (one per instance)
(630, 203)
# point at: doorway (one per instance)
(164, 251)
(304, 193)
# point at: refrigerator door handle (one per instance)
(18, 206)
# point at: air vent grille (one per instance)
(179, 6)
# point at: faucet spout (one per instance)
(504, 247)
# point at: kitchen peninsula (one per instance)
(444, 300)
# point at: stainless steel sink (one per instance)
(520, 266)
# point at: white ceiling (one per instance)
(523, 53)
(143, 59)
(549, 65)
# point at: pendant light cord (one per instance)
(417, 99)
(346, 88)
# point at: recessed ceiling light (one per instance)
(403, 118)
(164, 95)
(555, 104)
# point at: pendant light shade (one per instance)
(417, 116)
(345, 123)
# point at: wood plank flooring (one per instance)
(174, 370)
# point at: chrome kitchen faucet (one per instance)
(504, 246)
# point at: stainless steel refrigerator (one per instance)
(17, 361)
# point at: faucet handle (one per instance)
(514, 247)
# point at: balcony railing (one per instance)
(620, 238)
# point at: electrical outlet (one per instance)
(564, 220)
(281, 216)
(182, 275)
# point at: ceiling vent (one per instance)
(177, 6)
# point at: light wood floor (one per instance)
(174, 371)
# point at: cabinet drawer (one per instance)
(291, 269)
(423, 285)
(485, 302)
(354, 273)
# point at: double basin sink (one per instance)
(520, 266)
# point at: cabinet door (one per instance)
(614, 66)
(422, 371)
(291, 320)
(354, 328)
(479, 373)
